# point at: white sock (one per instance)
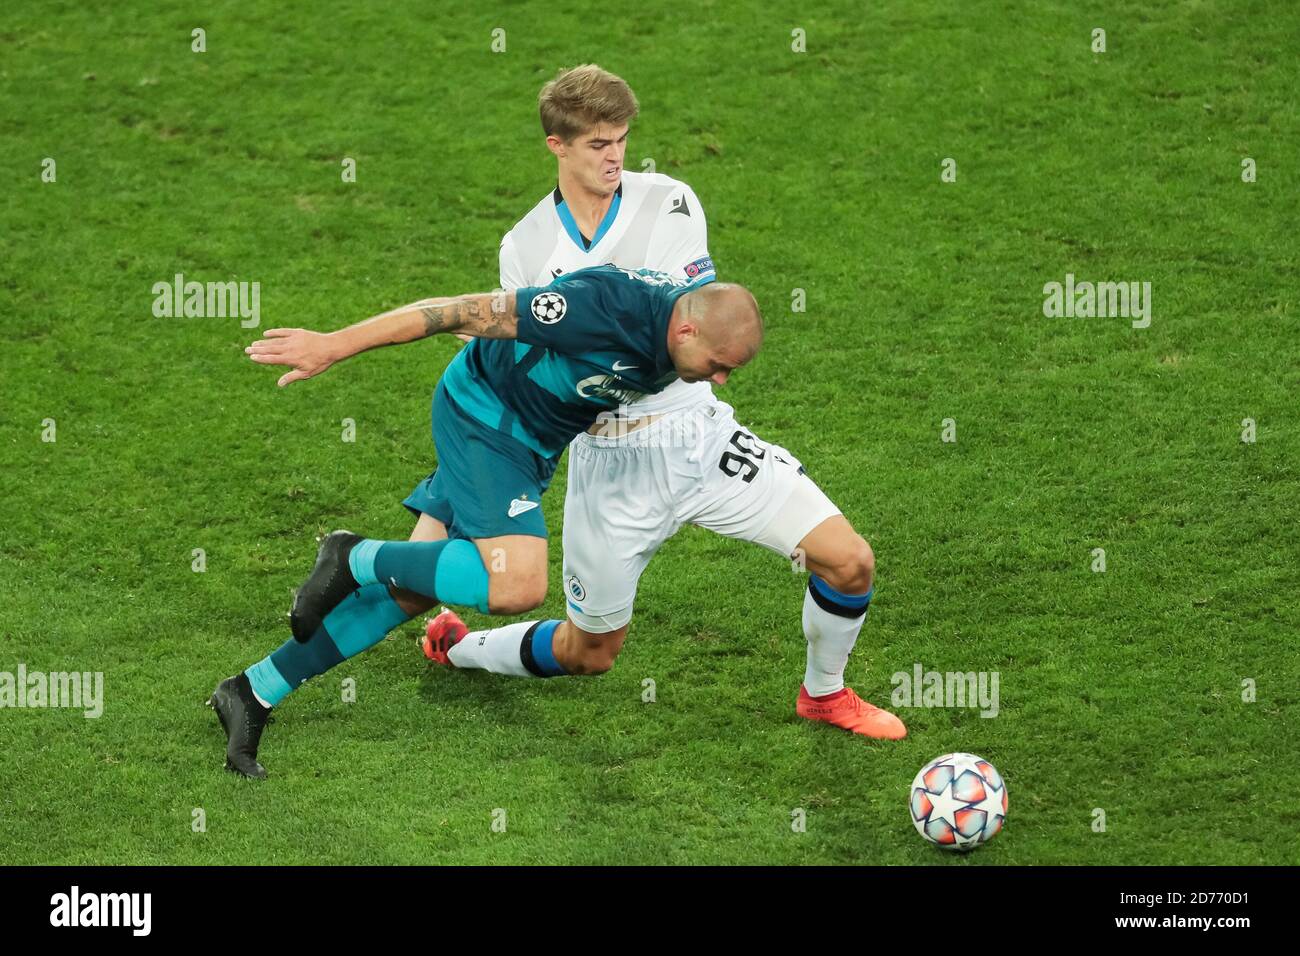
(830, 641)
(496, 650)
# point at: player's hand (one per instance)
(307, 353)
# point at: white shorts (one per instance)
(629, 494)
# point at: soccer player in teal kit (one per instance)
(546, 362)
(673, 458)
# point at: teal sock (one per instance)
(359, 622)
(449, 570)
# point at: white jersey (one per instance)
(628, 493)
(655, 222)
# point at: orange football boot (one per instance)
(443, 633)
(846, 709)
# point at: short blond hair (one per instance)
(584, 97)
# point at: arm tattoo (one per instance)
(501, 324)
(440, 318)
(468, 314)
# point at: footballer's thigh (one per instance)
(754, 491)
(488, 489)
(618, 511)
(428, 528)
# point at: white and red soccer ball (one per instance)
(958, 801)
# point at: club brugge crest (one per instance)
(549, 307)
(575, 588)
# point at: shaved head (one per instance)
(714, 330)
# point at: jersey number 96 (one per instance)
(746, 457)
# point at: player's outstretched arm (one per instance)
(307, 353)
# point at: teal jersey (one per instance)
(592, 340)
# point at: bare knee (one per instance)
(855, 571)
(518, 596)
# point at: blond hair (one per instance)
(584, 97)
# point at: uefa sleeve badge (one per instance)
(548, 307)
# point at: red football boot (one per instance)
(846, 709)
(443, 633)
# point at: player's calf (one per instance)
(582, 652)
(243, 703)
(522, 649)
(413, 604)
(440, 570)
(835, 607)
(506, 595)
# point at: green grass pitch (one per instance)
(1126, 690)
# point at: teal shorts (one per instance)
(487, 484)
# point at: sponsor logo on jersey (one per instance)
(698, 266)
(575, 588)
(520, 505)
(606, 386)
(548, 307)
(679, 205)
(620, 367)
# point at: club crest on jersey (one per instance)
(548, 307)
(519, 505)
(575, 588)
(699, 266)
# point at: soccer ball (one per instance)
(958, 801)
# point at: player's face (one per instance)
(697, 360)
(595, 157)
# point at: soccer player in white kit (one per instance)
(677, 457)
